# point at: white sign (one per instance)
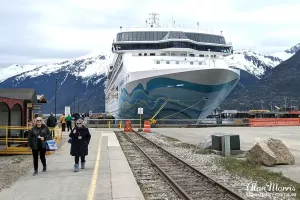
(67, 110)
(140, 111)
(90, 112)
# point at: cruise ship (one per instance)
(172, 73)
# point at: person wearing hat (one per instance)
(36, 142)
(80, 139)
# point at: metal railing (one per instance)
(17, 144)
(109, 123)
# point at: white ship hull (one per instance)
(191, 91)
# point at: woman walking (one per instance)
(79, 146)
(36, 141)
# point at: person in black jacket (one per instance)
(36, 141)
(79, 146)
(51, 123)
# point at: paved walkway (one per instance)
(107, 175)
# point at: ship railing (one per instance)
(115, 70)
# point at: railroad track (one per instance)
(186, 181)
(153, 186)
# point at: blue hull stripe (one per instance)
(164, 82)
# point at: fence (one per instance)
(261, 122)
(17, 143)
(119, 123)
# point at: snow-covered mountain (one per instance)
(288, 53)
(258, 64)
(81, 78)
(253, 63)
(85, 67)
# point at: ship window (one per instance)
(168, 62)
(145, 54)
(129, 36)
(191, 63)
(152, 54)
(143, 35)
(163, 54)
(200, 63)
(177, 44)
(140, 54)
(192, 55)
(151, 36)
(201, 55)
(126, 36)
(134, 38)
(147, 36)
(157, 62)
(177, 62)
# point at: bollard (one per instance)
(226, 145)
(108, 124)
(120, 124)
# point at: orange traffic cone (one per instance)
(128, 127)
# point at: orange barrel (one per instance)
(147, 126)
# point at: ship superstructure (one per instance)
(171, 72)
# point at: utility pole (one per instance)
(262, 107)
(285, 103)
(74, 111)
(55, 95)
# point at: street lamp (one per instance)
(74, 104)
(55, 94)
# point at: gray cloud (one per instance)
(63, 29)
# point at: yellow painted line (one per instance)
(93, 183)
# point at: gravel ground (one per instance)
(206, 163)
(12, 168)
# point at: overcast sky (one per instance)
(44, 31)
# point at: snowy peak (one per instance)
(287, 53)
(252, 62)
(14, 70)
(85, 67)
(293, 49)
(258, 64)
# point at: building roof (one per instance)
(41, 98)
(28, 94)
